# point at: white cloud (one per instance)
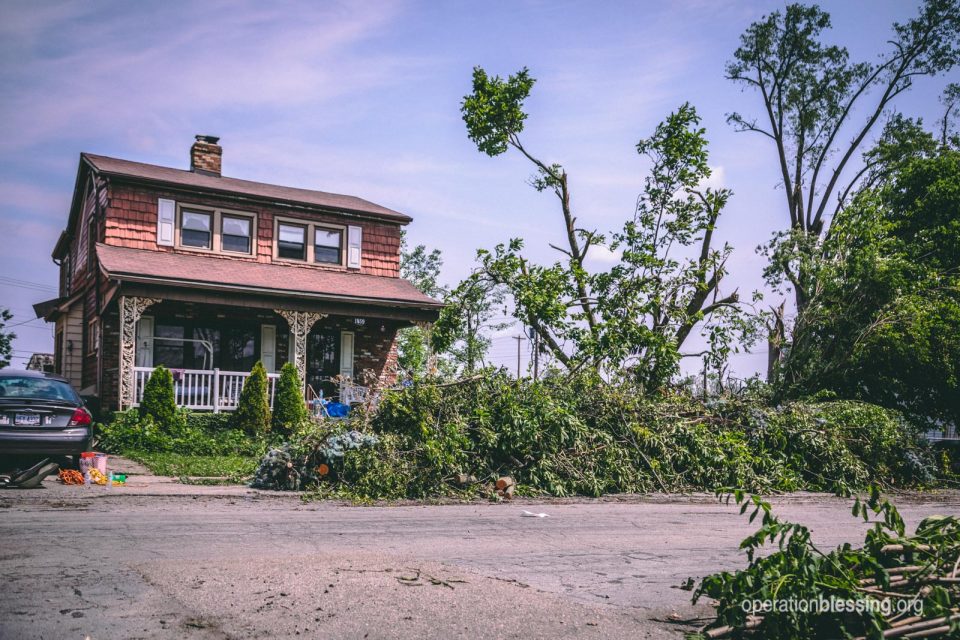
(602, 255)
(717, 179)
(115, 76)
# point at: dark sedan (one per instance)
(41, 414)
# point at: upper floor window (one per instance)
(195, 229)
(305, 241)
(328, 245)
(216, 230)
(235, 233)
(291, 243)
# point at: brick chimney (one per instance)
(205, 155)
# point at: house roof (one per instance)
(209, 272)
(49, 309)
(259, 190)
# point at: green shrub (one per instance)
(289, 407)
(193, 434)
(129, 431)
(158, 398)
(253, 409)
(212, 422)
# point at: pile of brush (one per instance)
(894, 586)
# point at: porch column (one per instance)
(300, 324)
(131, 308)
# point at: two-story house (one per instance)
(207, 274)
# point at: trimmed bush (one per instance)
(158, 399)
(289, 408)
(253, 409)
(212, 422)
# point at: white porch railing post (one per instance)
(216, 390)
(205, 389)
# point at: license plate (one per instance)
(29, 419)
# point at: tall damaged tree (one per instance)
(634, 318)
(818, 109)
(884, 323)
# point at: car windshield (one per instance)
(36, 389)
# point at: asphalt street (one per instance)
(240, 564)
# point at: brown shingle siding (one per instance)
(132, 222)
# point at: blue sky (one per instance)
(363, 98)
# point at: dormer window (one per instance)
(235, 233)
(195, 229)
(217, 230)
(328, 245)
(291, 241)
(311, 242)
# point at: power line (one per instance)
(24, 284)
(22, 322)
(27, 282)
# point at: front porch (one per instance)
(211, 347)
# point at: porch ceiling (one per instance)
(219, 274)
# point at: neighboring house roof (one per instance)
(259, 190)
(207, 272)
(40, 362)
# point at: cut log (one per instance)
(504, 481)
(508, 492)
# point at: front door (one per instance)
(323, 361)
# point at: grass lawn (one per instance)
(234, 468)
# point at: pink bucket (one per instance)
(100, 462)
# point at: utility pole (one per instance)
(519, 339)
(535, 344)
(536, 357)
(704, 378)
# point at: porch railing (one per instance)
(950, 432)
(203, 390)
